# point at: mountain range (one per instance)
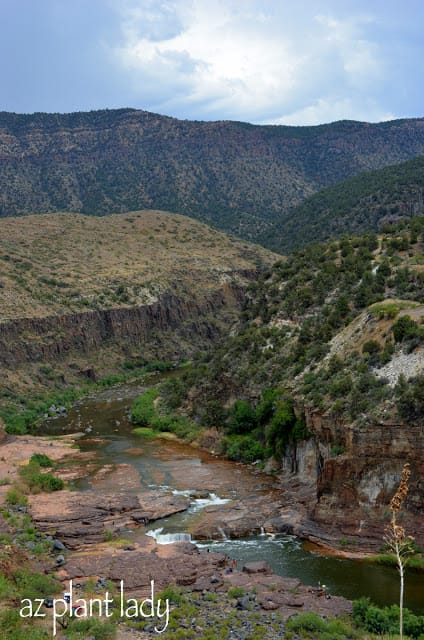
(238, 177)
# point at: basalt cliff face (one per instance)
(347, 495)
(80, 296)
(171, 328)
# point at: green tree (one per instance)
(279, 431)
(241, 418)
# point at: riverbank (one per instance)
(346, 537)
(20, 414)
(292, 510)
(235, 522)
(116, 467)
(81, 538)
(16, 451)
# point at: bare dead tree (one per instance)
(396, 539)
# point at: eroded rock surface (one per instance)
(83, 518)
(184, 565)
(236, 519)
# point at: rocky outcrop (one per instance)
(239, 519)
(201, 573)
(137, 566)
(189, 322)
(351, 473)
(86, 519)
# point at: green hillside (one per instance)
(363, 203)
(321, 325)
(323, 384)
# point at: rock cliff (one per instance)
(351, 473)
(80, 295)
(91, 342)
(59, 337)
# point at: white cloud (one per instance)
(324, 110)
(239, 61)
(362, 64)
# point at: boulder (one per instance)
(58, 546)
(257, 567)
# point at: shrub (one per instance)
(378, 621)
(405, 328)
(383, 620)
(13, 627)
(6, 587)
(34, 585)
(180, 425)
(213, 415)
(90, 628)
(38, 481)
(243, 449)
(242, 418)
(410, 402)
(359, 610)
(283, 427)
(14, 497)
(41, 459)
(16, 425)
(371, 347)
(173, 594)
(143, 408)
(108, 535)
(306, 624)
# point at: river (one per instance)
(166, 465)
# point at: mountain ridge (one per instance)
(358, 205)
(236, 176)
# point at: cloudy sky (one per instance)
(268, 61)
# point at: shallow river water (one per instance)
(164, 465)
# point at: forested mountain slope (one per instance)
(363, 203)
(308, 321)
(236, 176)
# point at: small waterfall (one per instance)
(177, 492)
(168, 538)
(222, 532)
(263, 532)
(210, 501)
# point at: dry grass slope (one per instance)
(64, 263)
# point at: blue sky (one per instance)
(274, 61)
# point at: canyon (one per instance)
(85, 298)
(79, 296)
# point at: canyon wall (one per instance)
(171, 328)
(352, 472)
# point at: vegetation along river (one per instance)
(168, 465)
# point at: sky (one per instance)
(297, 62)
